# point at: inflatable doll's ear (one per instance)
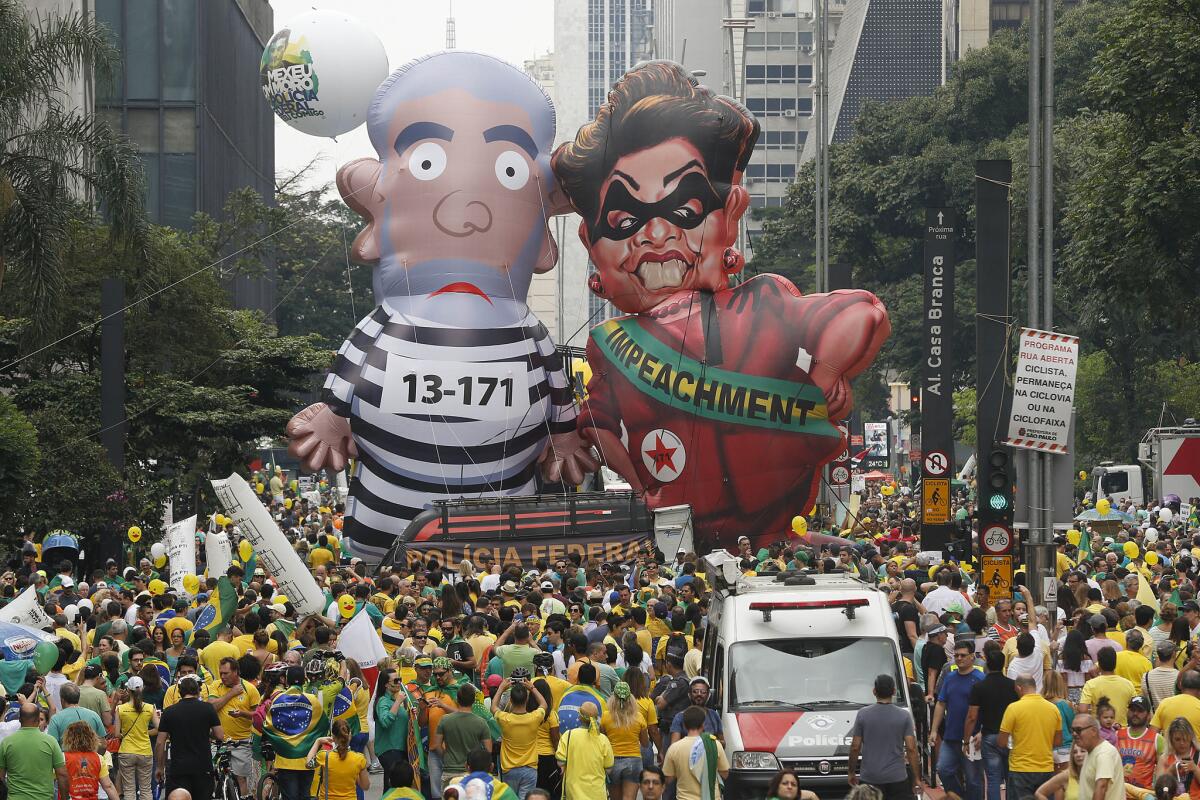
(356, 184)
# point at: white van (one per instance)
(791, 658)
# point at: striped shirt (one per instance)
(441, 412)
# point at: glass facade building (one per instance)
(188, 98)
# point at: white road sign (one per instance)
(937, 463)
(1043, 391)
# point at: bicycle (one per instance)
(225, 785)
(268, 784)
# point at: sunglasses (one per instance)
(395, 681)
(441, 674)
(420, 636)
(1077, 731)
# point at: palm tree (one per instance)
(53, 159)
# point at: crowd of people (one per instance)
(579, 679)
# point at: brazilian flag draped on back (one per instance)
(215, 616)
(164, 670)
(343, 708)
(294, 720)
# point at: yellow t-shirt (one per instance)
(134, 728)
(362, 703)
(245, 643)
(1034, 720)
(1132, 666)
(660, 652)
(241, 726)
(558, 687)
(319, 557)
(1116, 636)
(210, 657)
(343, 774)
(657, 627)
(1181, 705)
(586, 757)
(676, 765)
(171, 697)
(626, 742)
(70, 637)
(645, 640)
(518, 743)
(649, 711)
(1063, 564)
(1118, 690)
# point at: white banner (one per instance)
(1043, 391)
(26, 610)
(180, 540)
(275, 553)
(217, 553)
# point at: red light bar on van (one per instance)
(847, 606)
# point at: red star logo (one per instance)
(663, 456)
(1186, 460)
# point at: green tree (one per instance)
(19, 453)
(49, 154)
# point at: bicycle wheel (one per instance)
(268, 788)
(227, 788)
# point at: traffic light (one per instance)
(996, 496)
(914, 398)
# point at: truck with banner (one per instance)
(607, 526)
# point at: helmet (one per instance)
(315, 668)
(541, 661)
(520, 673)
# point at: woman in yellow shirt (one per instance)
(625, 726)
(342, 770)
(639, 687)
(137, 721)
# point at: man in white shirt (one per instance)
(491, 581)
(1103, 775)
(941, 598)
(1030, 660)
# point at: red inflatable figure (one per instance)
(724, 398)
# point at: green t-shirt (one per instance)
(29, 757)
(516, 655)
(391, 730)
(461, 732)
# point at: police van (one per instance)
(791, 658)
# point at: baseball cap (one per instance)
(935, 630)
(1140, 702)
(595, 594)
(548, 586)
(699, 679)
(1190, 605)
(135, 684)
(423, 661)
(1098, 621)
(92, 670)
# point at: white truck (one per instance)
(1168, 463)
(791, 659)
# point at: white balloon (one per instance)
(158, 549)
(320, 72)
(1165, 514)
(1151, 535)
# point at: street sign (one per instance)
(1049, 590)
(839, 475)
(937, 463)
(996, 539)
(1043, 391)
(997, 575)
(935, 501)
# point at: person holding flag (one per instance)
(294, 721)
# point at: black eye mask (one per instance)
(693, 186)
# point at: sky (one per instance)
(514, 30)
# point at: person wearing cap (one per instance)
(1139, 745)
(509, 591)
(551, 603)
(1030, 730)
(187, 725)
(1099, 640)
(1186, 704)
(884, 737)
(518, 654)
(31, 761)
(1131, 664)
(235, 700)
(136, 723)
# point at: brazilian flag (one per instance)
(484, 786)
(344, 708)
(164, 670)
(215, 616)
(294, 720)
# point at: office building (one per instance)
(595, 43)
(976, 21)
(885, 50)
(188, 97)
